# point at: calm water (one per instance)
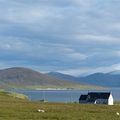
(62, 95)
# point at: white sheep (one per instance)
(39, 110)
(117, 113)
(43, 111)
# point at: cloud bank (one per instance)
(65, 35)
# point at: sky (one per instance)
(75, 37)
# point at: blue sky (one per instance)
(70, 36)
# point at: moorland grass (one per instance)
(12, 108)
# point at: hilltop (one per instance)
(62, 76)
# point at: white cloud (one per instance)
(77, 56)
(114, 26)
(83, 3)
(62, 33)
(70, 54)
(40, 50)
(75, 71)
(10, 44)
(116, 53)
(83, 71)
(97, 38)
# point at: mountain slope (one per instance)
(111, 79)
(24, 77)
(62, 76)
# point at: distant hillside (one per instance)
(62, 76)
(27, 78)
(111, 79)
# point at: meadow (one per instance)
(15, 108)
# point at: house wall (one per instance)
(110, 100)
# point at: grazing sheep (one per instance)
(117, 113)
(39, 110)
(42, 111)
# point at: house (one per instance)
(97, 98)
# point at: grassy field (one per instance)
(12, 108)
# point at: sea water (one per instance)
(63, 95)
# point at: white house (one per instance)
(97, 98)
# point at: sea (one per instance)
(63, 96)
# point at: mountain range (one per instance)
(111, 79)
(27, 78)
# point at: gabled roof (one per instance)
(92, 96)
(83, 97)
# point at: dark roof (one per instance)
(83, 97)
(92, 96)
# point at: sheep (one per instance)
(39, 110)
(117, 113)
(42, 111)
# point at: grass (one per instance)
(12, 108)
(16, 95)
